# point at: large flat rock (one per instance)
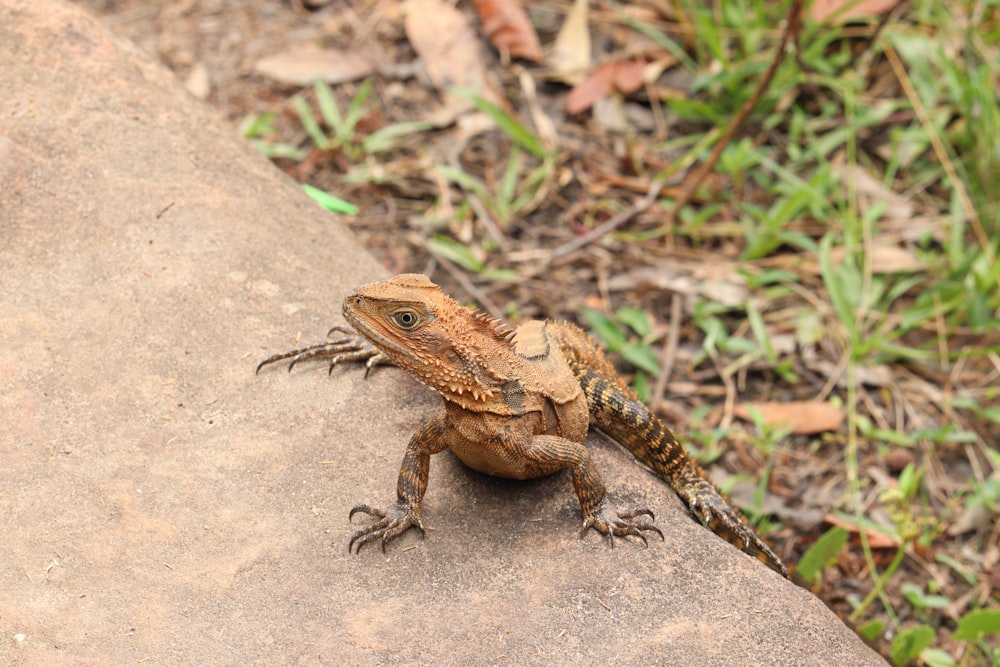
(161, 504)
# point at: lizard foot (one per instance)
(609, 521)
(391, 523)
(715, 513)
(344, 347)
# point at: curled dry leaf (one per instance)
(507, 27)
(803, 417)
(625, 76)
(301, 66)
(450, 53)
(876, 538)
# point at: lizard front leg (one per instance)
(347, 346)
(553, 453)
(429, 439)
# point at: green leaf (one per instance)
(463, 180)
(641, 386)
(835, 284)
(354, 112)
(309, 123)
(978, 622)
(635, 319)
(870, 630)
(329, 202)
(910, 642)
(915, 596)
(278, 150)
(760, 331)
(518, 132)
(327, 104)
(256, 125)
(993, 414)
(935, 657)
(821, 554)
(606, 329)
(450, 249)
(502, 275)
(641, 356)
(385, 138)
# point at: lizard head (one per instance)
(445, 345)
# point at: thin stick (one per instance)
(612, 224)
(669, 354)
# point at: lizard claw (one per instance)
(345, 347)
(723, 520)
(608, 521)
(390, 524)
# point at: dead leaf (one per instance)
(507, 27)
(872, 190)
(303, 65)
(450, 52)
(876, 538)
(803, 417)
(885, 258)
(571, 52)
(625, 76)
(720, 282)
(845, 10)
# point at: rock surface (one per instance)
(161, 504)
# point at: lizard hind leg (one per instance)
(606, 520)
(391, 523)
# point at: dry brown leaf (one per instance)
(876, 538)
(622, 75)
(721, 282)
(599, 84)
(571, 52)
(873, 191)
(303, 65)
(629, 75)
(885, 258)
(507, 27)
(449, 50)
(803, 417)
(845, 10)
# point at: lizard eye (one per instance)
(406, 319)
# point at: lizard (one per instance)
(517, 403)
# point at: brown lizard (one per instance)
(517, 403)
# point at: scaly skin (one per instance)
(517, 403)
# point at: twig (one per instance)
(669, 354)
(791, 28)
(612, 224)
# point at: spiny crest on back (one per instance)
(500, 329)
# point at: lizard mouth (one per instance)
(378, 336)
